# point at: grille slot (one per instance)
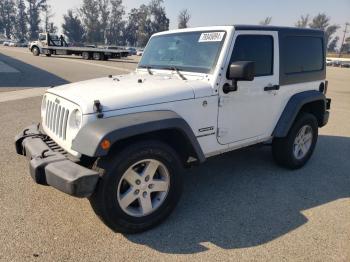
(56, 119)
(55, 147)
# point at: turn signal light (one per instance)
(105, 144)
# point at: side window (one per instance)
(42, 37)
(303, 54)
(256, 48)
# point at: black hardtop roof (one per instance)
(283, 29)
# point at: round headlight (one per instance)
(75, 119)
(43, 105)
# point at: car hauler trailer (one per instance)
(50, 44)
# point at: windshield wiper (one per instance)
(174, 68)
(148, 69)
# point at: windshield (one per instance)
(192, 51)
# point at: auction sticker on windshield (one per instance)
(211, 37)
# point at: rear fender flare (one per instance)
(292, 109)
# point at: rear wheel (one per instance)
(296, 149)
(139, 187)
(35, 51)
(98, 56)
(86, 55)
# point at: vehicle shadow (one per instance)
(242, 199)
(16, 73)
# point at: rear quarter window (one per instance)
(303, 54)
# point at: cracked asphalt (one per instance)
(236, 207)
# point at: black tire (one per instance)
(86, 55)
(98, 56)
(283, 148)
(104, 200)
(36, 51)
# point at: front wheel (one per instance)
(139, 186)
(35, 51)
(296, 149)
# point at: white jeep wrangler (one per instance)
(123, 141)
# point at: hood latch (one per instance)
(98, 108)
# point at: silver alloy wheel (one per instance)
(143, 187)
(302, 142)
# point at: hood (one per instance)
(132, 90)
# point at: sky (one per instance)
(227, 12)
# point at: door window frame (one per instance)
(226, 64)
(272, 70)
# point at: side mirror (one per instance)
(239, 71)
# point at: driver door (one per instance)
(250, 113)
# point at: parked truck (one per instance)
(51, 44)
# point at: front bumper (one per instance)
(325, 119)
(48, 167)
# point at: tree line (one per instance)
(322, 22)
(96, 21)
(21, 19)
(106, 22)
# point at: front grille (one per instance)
(56, 119)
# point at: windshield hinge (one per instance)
(223, 100)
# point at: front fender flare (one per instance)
(90, 136)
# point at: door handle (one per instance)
(271, 88)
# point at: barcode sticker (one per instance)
(211, 37)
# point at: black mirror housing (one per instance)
(239, 71)
(242, 71)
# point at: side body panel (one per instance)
(200, 114)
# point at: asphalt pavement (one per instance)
(19, 69)
(236, 207)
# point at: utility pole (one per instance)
(342, 42)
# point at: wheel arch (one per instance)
(166, 126)
(317, 108)
(173, 137)
(313, 102)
